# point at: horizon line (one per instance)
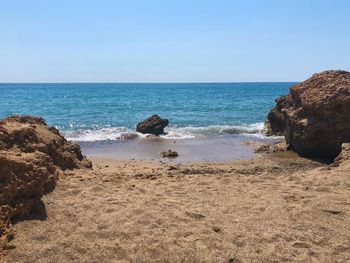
(191, 82)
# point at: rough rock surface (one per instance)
(344, 157)
(315, 116)
(272, 148)
(169, 154)
(32, 155)
(276, 119)
(153, 125)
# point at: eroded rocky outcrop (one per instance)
(276, 119)
(315, 116)
(32, 155)
(153, 125)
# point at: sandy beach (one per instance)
(275, 208)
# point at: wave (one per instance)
(102, 134)
(173, 132)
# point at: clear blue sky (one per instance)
(172, 41)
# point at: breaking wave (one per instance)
(173, 132)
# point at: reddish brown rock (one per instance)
(30, 134)
(32, 155)
(315, 116)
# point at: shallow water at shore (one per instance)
(216, 149)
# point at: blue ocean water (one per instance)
(92, 112)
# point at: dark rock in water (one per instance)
(170, 154)
(315, 116)
(32, 156)
(153, 125)
(129, 136)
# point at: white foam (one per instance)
(102, 134)
(191, 131)
(172, 135)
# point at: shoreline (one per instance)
(213, 149)
(171, 132)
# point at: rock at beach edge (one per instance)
(315, 116)
(32, 155)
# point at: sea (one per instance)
(207, 120)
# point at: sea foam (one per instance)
(172, 132)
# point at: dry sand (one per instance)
(272, 209)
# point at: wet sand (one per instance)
(270, 209)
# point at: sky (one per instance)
(172, 41)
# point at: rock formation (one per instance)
(276, 119)
(344, 157)
(271, 148)
(153, 125)
(32, 155)
(315, 116)
(169, 154)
